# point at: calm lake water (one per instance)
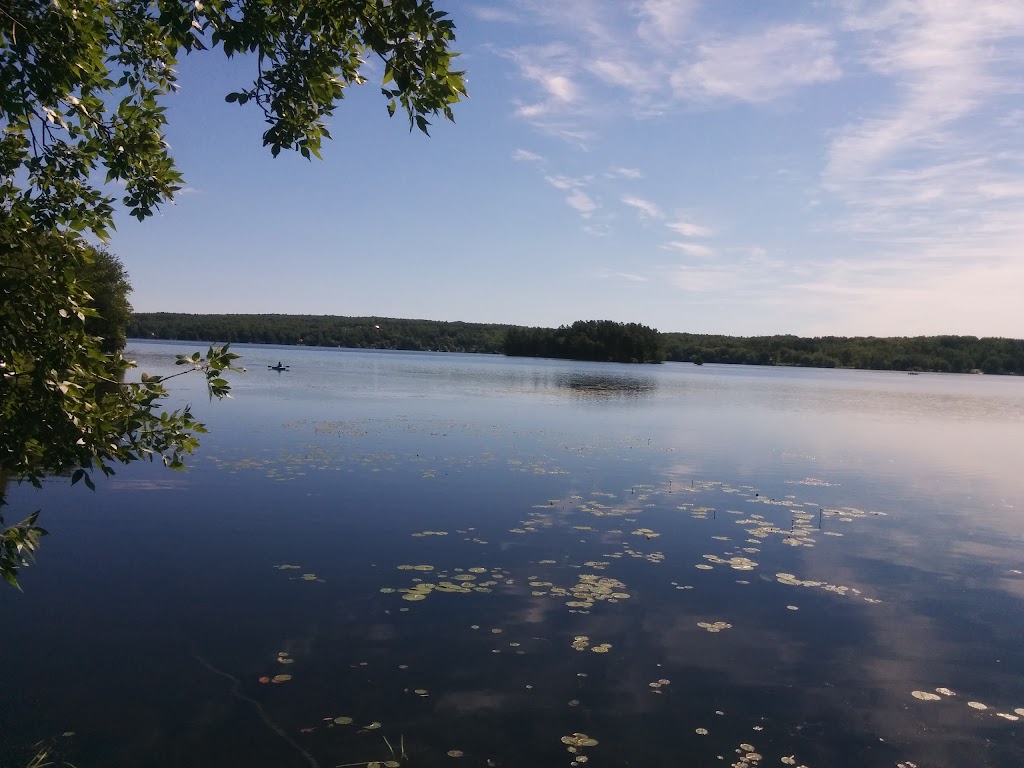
(500, 562)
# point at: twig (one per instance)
(235, 685)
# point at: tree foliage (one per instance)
(83, 85)
(83, 88)
(106, 281)
(64, 405)
(322, 331)
(599, 340)
(943, 354)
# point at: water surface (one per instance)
(859, 533)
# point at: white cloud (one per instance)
(494, 14)
(759, 67)
(625, 173)
(561, 88)
(526, 156)
(647, 209)
(621, 73)
(934, 178)
(690, 249)
(603, 54)
(561, 182)
(688, 229)
(533, 110)
(663, 22)
(577, 198)
(940, 56)
(582, 202)
(645, 58)
(550, 67)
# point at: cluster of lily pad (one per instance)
(464, 581)
(657, 685)
(939, 693)
(736, 562)
(575, 743)
(792, 581)
(589, 589)
(651, 557)
(582, 642)
(716, 626)
(748, 756)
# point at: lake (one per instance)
(442, 560)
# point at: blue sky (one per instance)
(849, 168)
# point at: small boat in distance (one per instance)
(278, 367)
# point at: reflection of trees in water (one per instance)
(604, 386)
(516, 380)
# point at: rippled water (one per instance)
(778, 557)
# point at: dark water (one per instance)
(890, 504)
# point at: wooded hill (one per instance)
(956, 354)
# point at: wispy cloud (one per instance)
(689, 229)
(690, 249)
(493, 13)
(625, 173)
(759, 67)
(643, 58)
(582, 202)
(551, 68)
(562, 182)
(647, 209)
(589, 64)
(630, 277)
(940, 59)
(526, 156)
(577, 199)
(938, 168)
(663, 22)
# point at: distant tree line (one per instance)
(945, 354)
(599, 340)
(593, 340)
(322, 331)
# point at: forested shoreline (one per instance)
(594, 340)
(953, 354)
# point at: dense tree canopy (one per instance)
(83, 88)
(322, 331)
(943, 354)
(599, 340)
(106, 281)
